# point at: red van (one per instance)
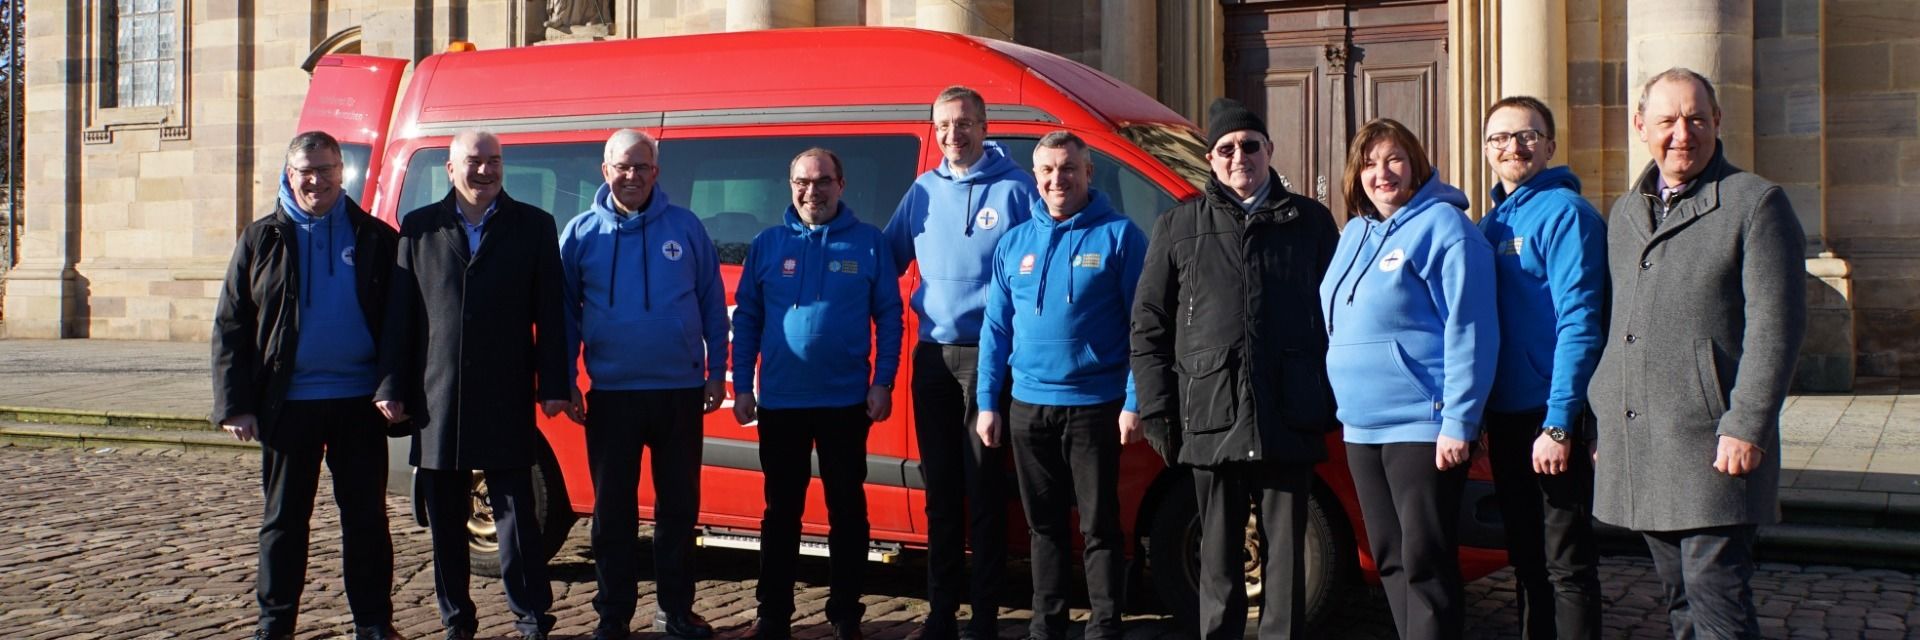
(729, 110)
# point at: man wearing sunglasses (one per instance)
(1241, 399)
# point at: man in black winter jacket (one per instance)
(295, 366)
(1241, 398)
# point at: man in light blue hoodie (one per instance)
(1057, 317)
(950, 221)
(644, 298)
(813, 295)
(1550, 265)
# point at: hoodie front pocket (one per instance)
(1375, 386)
(1210, 397)
(1051, 360)
(642, 348)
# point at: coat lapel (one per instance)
(452, 229)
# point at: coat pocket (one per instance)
(1210, 397)
(1711, 392)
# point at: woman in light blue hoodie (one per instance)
(1413, 335)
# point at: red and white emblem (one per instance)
(1026, 265)
(788, 266)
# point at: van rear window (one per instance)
(738, 186)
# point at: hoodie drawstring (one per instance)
(613, 272)
(646, 266)
(970, 213)
(1331, 308)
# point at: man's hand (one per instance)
(1449, 453)
(395, 411)
(744, 410)
(715, 393)
(879, 402)
(243, 427)
(555, 407)
(988, 428)
(1737, 457)
(578, 412)
(1130, 428)
(1551, 458)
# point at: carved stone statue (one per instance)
(565, 15)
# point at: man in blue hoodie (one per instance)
(1057, 317)
(294, 366)
(644, 297)
(813, 295)
(1550, 268)
(950, 221)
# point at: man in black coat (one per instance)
(475, 280)
(294, 365)
(1242, 398)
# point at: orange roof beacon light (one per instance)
(460, 46)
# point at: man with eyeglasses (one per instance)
(1240, 398)
(1550, 266)
(817, 295)
(645, 300)
(950, 221)
(295, 365)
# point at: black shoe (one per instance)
(978, 634)
(936, 629)
(263, 634)
(686, 625)
(766, 629)
(537, 635)
(847, 631)
(605, 632)
(376, 632)
(456, 633)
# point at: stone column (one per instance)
(1473, 61)
(43, 294)
(1711, 37)
(986, 18)
(747, 15)
(1533, 44)
(1128, 43)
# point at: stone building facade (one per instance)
(154, 127)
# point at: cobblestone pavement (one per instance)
(146, 545)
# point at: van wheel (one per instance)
(551, 509)
(1174, 546)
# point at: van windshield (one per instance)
(353, 162)
(1178, 148)
(738, 186)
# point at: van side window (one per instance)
(1132, 193)
(738, 186)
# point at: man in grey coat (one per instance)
(1708, 313)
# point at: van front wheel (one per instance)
(1174, 545)
(552, 513)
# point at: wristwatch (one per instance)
(1557, 434)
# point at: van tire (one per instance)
(1174, 542)
(552, 511)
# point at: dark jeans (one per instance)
(523, 567)
(1412, 513)
(787, 437)
(966, 487)
(619, 425)
(1066, 458)
(1708, 574)
(348, 433)
(1549, 522)
(1225, 493)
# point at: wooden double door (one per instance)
(1318, 69)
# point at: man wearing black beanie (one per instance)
(1253, 409)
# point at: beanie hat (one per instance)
(1227, 115)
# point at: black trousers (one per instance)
(523, 567)
(1224, 494)
(348, 434)
(1549, 523)
(787, 437)
(966, 488)
(1412, 512)
(1066, 458)
(1708, 574)
(619, 425)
